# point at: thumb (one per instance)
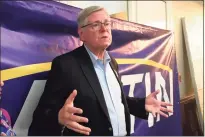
(155, 93)
(71, 97)
(154, 114)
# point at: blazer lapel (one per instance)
(90, 74)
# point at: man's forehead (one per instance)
(99, 19)
(99, 15)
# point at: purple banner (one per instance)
(34, 32)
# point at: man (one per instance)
(83, 94)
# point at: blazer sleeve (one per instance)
(45, 117)
(137, 107)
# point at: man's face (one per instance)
(95, 33)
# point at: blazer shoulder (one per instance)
(65, 57)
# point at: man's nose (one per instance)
(103, 28)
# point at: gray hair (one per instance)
(82, 17)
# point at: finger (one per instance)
(73, 110)
(79, 127)
(165, 109)
(71, 97)
(155, 93)
(79, 131)
(153, 113)
(78, 118)
(166, 104)
(163, 114)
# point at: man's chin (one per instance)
(105, 45)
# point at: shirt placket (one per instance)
(111, 92)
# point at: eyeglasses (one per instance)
(97, 25)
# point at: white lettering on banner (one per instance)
(132, 80)
(24, 119)
(160, 84)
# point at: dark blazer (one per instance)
(74, 70)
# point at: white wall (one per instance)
(111, 6)
(181, 9)
(151, 13)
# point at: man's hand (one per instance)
(67, 118)
(154, 106)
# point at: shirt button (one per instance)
(110, 129)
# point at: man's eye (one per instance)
(107, 23)
(95, 25)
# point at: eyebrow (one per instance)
(97, 21)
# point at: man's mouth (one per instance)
(104, 37)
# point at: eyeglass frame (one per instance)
(98, 22)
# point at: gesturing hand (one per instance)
(67, 117)
(154, 106)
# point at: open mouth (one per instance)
(104, 37)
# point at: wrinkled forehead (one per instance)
(99, 16)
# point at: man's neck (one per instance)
(97, 52)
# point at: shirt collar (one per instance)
(94, 58)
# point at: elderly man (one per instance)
(83, 94)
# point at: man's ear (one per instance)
(80, 33)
